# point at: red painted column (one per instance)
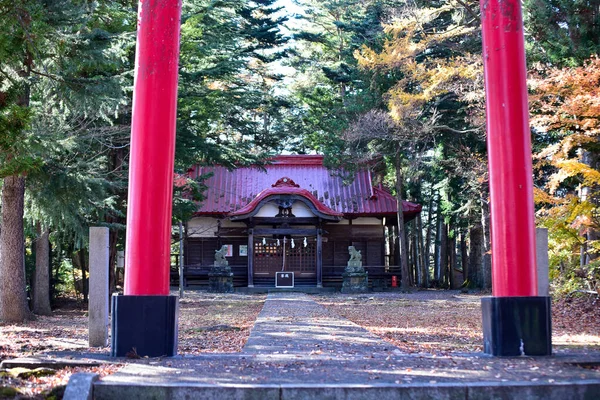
(509, 150)
(148, 241)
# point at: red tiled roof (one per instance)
(229, 191)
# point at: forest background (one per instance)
(395, 86)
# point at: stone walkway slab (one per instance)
(294, 324)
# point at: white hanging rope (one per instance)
(283, 266)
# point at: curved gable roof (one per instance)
(286, 187)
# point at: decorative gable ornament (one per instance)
(285, 182)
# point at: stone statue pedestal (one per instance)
(220, 278)
(356, 279)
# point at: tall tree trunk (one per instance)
(41, 288)
(452, 261)
(54, 259)
(405, 279)
(423, 271)
(443, 251)
(84, 282)
(586, 193)
(437, 261)
(476, 252)
(79, 261)
(427, 251)
(13, 295)
(485, 222)
(116, 170)
(583, 253)
(464, 256)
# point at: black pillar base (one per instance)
(514, 326)
(147, 324)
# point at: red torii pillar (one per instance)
(515, 320)
(145, 317)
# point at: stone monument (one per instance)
(356, 279)
(98, 296)
(220, 278)
(541, 248)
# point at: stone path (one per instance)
(293, 324)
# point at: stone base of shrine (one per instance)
(355, 282)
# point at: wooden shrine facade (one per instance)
(293, 215)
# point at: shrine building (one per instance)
(292, 215)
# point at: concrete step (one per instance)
(451, 391)
(299, 289)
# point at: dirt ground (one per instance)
(440, 322)
(216, 323)
(433, 322)
(208, 323)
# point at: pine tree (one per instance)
(227, 100)
(562, 32)
(54, 70)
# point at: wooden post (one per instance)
(250, 257)
(319, 258)
(180, 260)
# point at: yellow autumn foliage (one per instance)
(565, 107)
(430, 77)
(568, 168)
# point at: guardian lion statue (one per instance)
(220, 255)
(354, 254)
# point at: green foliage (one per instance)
(187, 193)
(63, 84)
(229, 112)
(65, 278)
(330, 90)
(562, 32)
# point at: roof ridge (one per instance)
(298, 159)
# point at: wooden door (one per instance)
(269, 257)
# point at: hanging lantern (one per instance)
(278, 244)
(264, 241)
(293, 244)
(305, 242)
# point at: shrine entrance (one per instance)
(290, 254)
